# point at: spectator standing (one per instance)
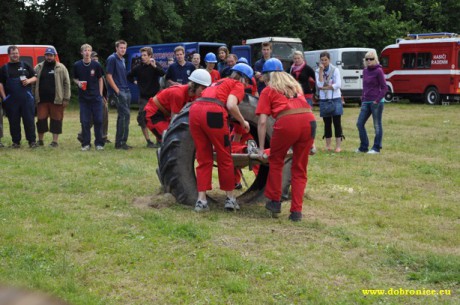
(147, 77)
(119, 92)
(231, 62)
(52, 95)
(222, 53)
(87, 74)
(210, 60)
(16, 78)
(372, 101)
(295, 127)
(329, 83)
(105, 107)
(258, 66)
(304, 74)
(209, 128)
(179, 71)
(196, 60)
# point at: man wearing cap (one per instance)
(16, 78)
(147, 77)
(52, 95)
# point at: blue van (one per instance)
(161, 53)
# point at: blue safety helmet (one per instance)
(211, 58)
(244, 69)
(272, 65)
(242, 60)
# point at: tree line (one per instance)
(67, 24)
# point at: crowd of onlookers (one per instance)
(215, 90)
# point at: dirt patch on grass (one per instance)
(160, 201)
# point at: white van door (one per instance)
(351, 68)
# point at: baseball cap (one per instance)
(50, 51)
(94, 54)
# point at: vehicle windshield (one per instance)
(285, 50)
(353, 60)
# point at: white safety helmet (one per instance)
(201, 76)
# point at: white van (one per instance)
(350, 63)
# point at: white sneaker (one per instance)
(359, 151)
(373, 152)
(201, 206)
(99, 147)
(85, 148)
(231, 204)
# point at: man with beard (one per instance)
(52, 95)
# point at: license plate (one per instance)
(351, 80)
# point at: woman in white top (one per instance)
(329, 82)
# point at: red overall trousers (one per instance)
(209, 127)
(296, 131)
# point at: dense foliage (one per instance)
(68, 24)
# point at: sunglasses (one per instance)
(370, 59)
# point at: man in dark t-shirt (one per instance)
(179, 71)
(147, 77)
(16, 78)
(87, 74)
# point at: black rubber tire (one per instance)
(389, 95)
(432, 96)
(176, 158)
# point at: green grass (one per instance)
(80, 225)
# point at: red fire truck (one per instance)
(423, 66)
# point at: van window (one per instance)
(408, 61)
(28, 60)
(40, 59)
(423, 60)
(384, 61)
(353, 60)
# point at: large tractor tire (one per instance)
(176, 158)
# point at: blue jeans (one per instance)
(91, 112)
(123, 102)
(376, 110)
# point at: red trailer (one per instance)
(423, 66)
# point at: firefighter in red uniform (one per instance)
(250, 88)
(210, 59)
(161, 108)
(295, 127)
(209, 128)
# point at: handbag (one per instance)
(326, 108)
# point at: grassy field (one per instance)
(92, 228)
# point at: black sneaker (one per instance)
(40, 143)
(15, 145)
(33, 145)
(123, 146)
(54, 144)
(295, 216)
(273, 206)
